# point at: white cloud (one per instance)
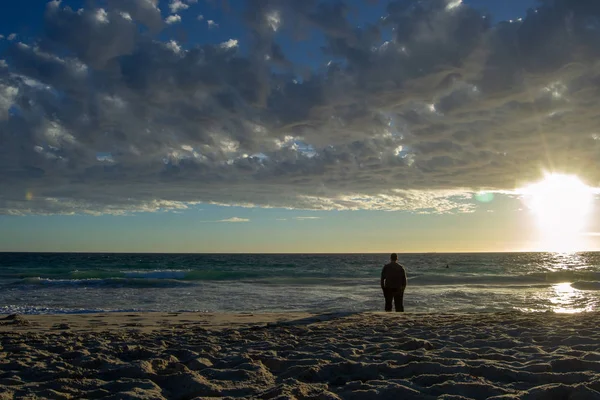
(12, 36)
(235, 219)
(452, 4)
(101, 16)
(231, 43)
(173, 46)
(306, 218)
(51, 206)
(177, 5)
(273, 20)
(446, 108)
(200, 17)
(8, 94)
(212, 24)
(173, 19)
(126, 16)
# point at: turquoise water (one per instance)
(67, 283)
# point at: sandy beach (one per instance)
(300, 356)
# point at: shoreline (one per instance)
(145, 321)
(149, 321)
(362, 355)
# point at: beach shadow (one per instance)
(15, 319)
(325, 317)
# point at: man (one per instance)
(393, 283)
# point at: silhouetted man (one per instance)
(393, 283)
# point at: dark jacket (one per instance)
(393, 276)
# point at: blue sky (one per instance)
(373, 132)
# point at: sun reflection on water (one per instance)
(566, 299)
(566, 261)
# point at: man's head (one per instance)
(394, 257)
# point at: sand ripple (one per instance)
(354, 356)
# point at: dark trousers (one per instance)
(395, 295)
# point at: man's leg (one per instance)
(399, 300)
(389, 296)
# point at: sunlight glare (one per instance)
(566, 299)
(561, 205)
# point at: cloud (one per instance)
(173, 46)
(212, 24)
(145, 12)
(230, 44)
(177, 5)
(173, 19)
(415, 110)
(306, 218)
(235, 219)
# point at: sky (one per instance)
(280, 126)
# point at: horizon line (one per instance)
(296, 253)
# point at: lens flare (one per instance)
(484, 197)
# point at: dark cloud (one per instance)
(99, 115)
(145, 12)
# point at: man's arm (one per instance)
(404, 279)
(383, 278)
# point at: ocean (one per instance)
(41, 283)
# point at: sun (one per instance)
(561, 205)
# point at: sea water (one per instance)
(37, 283)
